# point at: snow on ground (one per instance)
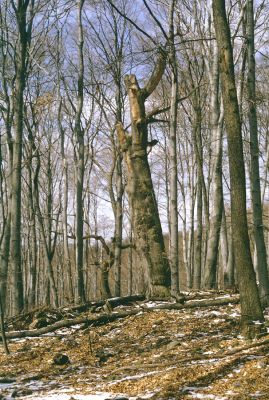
(165, 354)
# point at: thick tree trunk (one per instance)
(254, 162)
(147, 225)
(249, 297)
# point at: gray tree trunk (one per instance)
(254, 162)
(249, 297)
(24, 36)
(173, 176)
(197, 140)
(210, 272)
(80, 167)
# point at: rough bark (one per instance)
(147, 225)
(249, 297)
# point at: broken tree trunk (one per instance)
(146, 220)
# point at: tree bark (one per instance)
(197, 140)
(173, 176)
(210, 272)
(254, 162)
(145, 213)
(249, 297)
(24, 35)
(80, 167)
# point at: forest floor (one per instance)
(191, 353)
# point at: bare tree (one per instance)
(249, 297)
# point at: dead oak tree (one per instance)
(145, 215)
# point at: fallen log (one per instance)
(100, 319)
(114, 302)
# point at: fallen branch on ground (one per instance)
(110, 317)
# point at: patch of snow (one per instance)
(207, 396)
(218, 320)
(134, 377)
(234, 314)
(179, 335)
(216, 313)
(256, 394)
(206, 361)
(65, 395)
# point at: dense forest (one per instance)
(134, 151)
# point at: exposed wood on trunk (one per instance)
(146, 220)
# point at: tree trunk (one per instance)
(229, 271)
(224, 240)
(254, 162)
(80, 167)
(20, 79)
(173, 176)
(197, 140)
(147, 225)
(118, 225)
(210, 272)
(197, 267)
(249, 297)
(4, 254)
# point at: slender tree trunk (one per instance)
(4, 255)
(173, 176)
(249, 297)
(130, 265)
(224, 240)
(80, 167)
(20, 80)
(33, 245)
(197, 267)
(197, 140)
(210, 272)
(229, 271)
(254, 162)
(67, 260)
(118, 225)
